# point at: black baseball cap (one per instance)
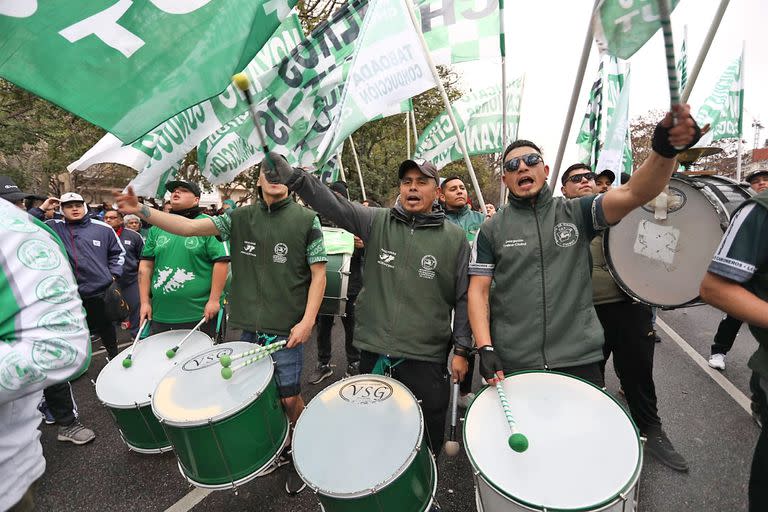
(10, 191)
(609, 173)
(426, 168)
(755, 174)
(173, 185)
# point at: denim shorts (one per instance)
(288, 362)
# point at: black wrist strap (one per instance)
(462, 351)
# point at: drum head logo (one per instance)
(566, 234)
(428, 266)
(281, 250)
(675, 201)
(206, 359)
(366, 391)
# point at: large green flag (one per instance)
(682, 62)
(623, 26)
(724, 108)
(478, 115)
(129, 66)
(616, 154)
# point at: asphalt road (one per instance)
(714, 433)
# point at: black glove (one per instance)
(489, 363)
(277, 169)
(660, 142)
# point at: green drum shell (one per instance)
(221, 453)
(337, 280)
(412, 491)
(140, 429)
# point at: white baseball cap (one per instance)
(71, 197)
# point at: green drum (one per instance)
(224, 432)
(126, 392)
(339, 245)
(373, 429)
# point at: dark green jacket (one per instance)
(415, 275)
(541, 305)
(759, 286)
(467, 219)
(269, 261)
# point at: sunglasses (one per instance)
(576, 178)
(531, 159)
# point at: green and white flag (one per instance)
(478, 115)
(303, 94)
(160, 151)
(128, 66)
(623, 26)
(682, 63)
(615, 154)
(389, 66)
(603, 99)
(724, 108)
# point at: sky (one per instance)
(545, 39)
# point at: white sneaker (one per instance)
(465, 400)
(717, 361)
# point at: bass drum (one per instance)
(662, 262)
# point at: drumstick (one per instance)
(172, 351)
(669, 48)
(451, 445)
(227, 372)
(516, 441)
(128, 361)
(241, 82)
(226, 360)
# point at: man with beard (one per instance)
(181, 279)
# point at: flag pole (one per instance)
(574, 99)
(341, 165)
(357, 166)
(704, 50)
(448, 108)
(413, 124)
(408, 134)
(741, 112)
(503, 52)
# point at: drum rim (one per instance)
(117, 361)
(403, 467)
(222, 415)
(478, 472)
(725, 219)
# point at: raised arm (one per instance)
(129, 203)
(653, 175)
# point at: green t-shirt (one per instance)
(181, 280)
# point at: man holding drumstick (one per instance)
(278, 280)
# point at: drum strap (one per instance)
(384, 366)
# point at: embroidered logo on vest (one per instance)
(566, 234)
(428, 266)
(280, 253)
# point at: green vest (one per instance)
(409, 288)
(759, 286)
(604, 288)
(542, 314)
(269, 264)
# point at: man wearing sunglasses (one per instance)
(536, 251)
(628, 335)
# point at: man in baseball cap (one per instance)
(604, 180)
(426, 168)
(11, 192)
(758, 180)
(171, 186)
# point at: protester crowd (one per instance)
(431, 259)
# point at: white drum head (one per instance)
(194, 392)
(583, 448)
(369, 426)
(125, 388)
(662, 262)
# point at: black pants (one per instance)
(324, 326)
(131, 294)
(429, 383)
(59, 399)
(466, 385)
(758, 478)
(726, 335)
(208, 327)
(629, 337)
(590, 372)
(100, 324)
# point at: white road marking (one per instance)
(721, 381)
(186, 503)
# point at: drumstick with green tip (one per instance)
(227, 372)
(172, 351)
(128, 361)
(243, 84)
(226, 360)
(516, 441)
